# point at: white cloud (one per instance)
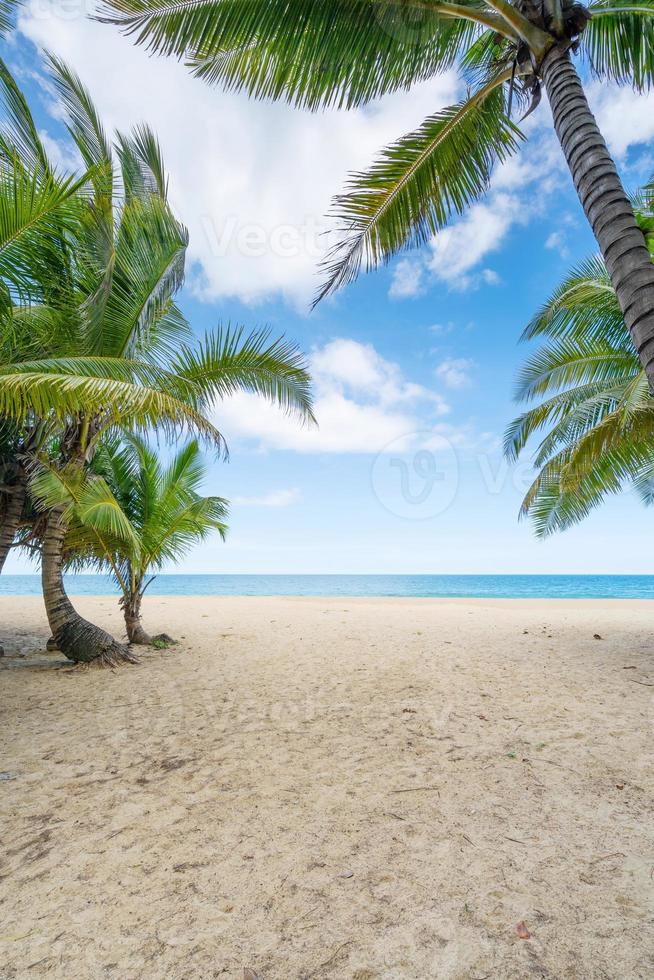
(490, 277)
(457, 250)
(276, 498)
(624, 117)
(454, 372)
(556, 241)
(456, 254)
(407, 281)
(363, 403)
(252, 180)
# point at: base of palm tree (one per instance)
(84, 643)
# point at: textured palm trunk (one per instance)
(135, 632)
(604, 201)
(77, 639)
(11, 516)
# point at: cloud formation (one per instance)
(363, 403)
(454, 372)
(252, 180)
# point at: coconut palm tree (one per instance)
(344, 53)
(122, 354)
(132, 515)
(594, 413)
(40, 209)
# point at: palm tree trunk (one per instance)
(11, 516)
(132, 610)
(77, 639)
(604, 201)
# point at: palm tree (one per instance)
(593, 400)
(117, 350)
(133, 514)
(344, 53)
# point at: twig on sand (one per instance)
(418, 789)
(331, 959)
(549, 762)
(605, 857)
(642, 683)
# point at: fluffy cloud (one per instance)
(456, 255)
(407, 280)
(557, 242)
(252, 180)
(625, 118)
(363, 403)
(454, 372)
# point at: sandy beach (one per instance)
(333, 788)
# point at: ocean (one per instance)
(409, 586)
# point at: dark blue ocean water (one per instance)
(462, 586)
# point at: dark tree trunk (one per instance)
(132, 610)
(604, 201)
(77, 639)
(11, 515)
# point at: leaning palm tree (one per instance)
(594, 414)
(344, 53)
(40, 210)
(132, 515)
(122, 354)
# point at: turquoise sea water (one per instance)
(454, 586)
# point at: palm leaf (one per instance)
(313, 53)
(411, 192)
(119, 402)
(8, 9)
(618, 41)
(229, 360)
(36, 212)
(19, 135)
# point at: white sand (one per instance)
(337, 788)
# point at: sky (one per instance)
(413, 365)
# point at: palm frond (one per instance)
(148, 269)
(618, 41)
(230, 360)
(583, 306)
(8, 9)
(142, 164)
(598, 418)
(418, 183)
(312, 53)
(161, 506)
(36, 212)
(67, 395)
(19, 136)
(86, 129)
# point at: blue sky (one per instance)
(414, 364)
